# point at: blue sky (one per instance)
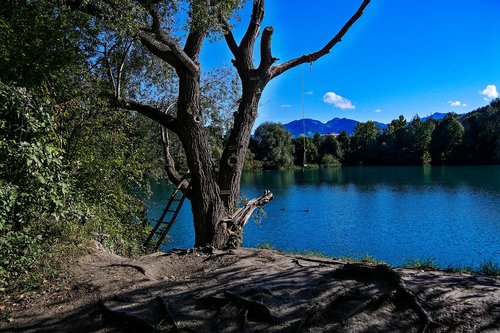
(401, 57)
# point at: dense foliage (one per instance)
(72, 168)
(33, 187)
(469, 139)
(274, 144)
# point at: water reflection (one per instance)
(450, 214)
(370, 178)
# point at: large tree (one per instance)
(215, 187)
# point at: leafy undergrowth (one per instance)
(55, 200)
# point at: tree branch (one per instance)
(120, 71)
(254, 26)
(193, 45)
(266, 59)
(151, 112)
(242, 215)
(279, 69)
(158, 49)
(228, 36)
(109, 71)
(172, 173)
(174, 47)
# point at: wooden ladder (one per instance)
(168, 217)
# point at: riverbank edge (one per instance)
(485, 268)
(101, 276)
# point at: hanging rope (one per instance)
(304, 163)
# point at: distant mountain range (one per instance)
(336, 125)
(435, 116)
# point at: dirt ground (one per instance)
(255, 290)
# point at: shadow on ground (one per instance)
(259, 290)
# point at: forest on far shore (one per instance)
(472, 138)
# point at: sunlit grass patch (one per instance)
(489, 268)
(266, 245)
(425, 264)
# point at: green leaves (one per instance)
(274, 145)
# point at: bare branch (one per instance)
(253, 27)
(228, 35)
(120, 71)
(172, 173)
(151, 112)
(266, 59)
(279, 69)
(241, 217)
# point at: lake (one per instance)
(450, 215)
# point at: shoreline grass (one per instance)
(487, 267)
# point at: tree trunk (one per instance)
(212, 208)
(233, 156)
(206, 204)
(213, 194)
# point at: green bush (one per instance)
(32, 183)
(330, 161)
(52, 199)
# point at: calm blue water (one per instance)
(448, 214)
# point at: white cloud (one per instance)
(309, 92)
(285, 105)
(455, 103)
(490, 92)
(464, 105)
(378, 110)
(338, 101)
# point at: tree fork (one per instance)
(214, 196)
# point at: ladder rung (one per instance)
(164, 224)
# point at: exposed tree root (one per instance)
(402, 295)
(341, 309)
(248, 309)
(139, 268)
(256, 311)
(121, 315)
(168, 317)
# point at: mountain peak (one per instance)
(337, 125)
(312, 126)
